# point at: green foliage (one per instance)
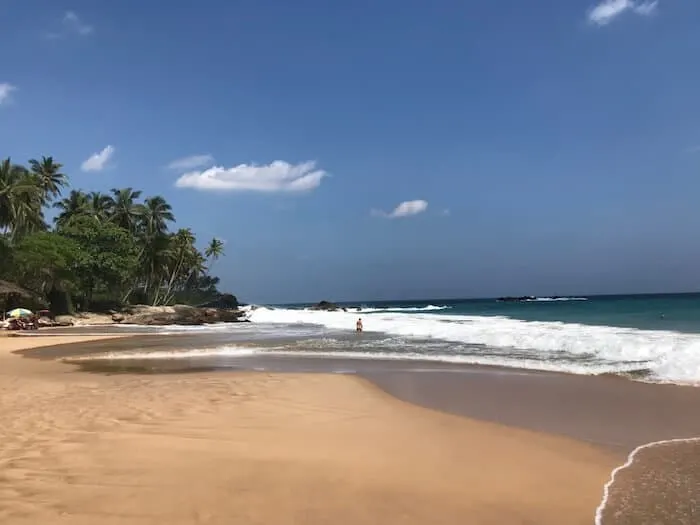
(6, 256)
(215, 249)
(21, 201)
(45, 260)
(109, 245)
(106, 255)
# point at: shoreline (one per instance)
(535, 400)
(401, 397)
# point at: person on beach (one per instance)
(358, 325)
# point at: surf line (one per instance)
(628, 463)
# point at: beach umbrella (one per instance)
(20, 312)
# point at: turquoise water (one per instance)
(677, 312)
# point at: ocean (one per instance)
(652, 338)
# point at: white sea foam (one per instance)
(224, 351)
(463, 359)
(630, 460)
(429, 308)
(669, 356)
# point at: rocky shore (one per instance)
(151, 316)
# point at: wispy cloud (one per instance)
(6, 90)
(646, 8)
(609, 10)
(405, 209)
(71, 24)
(98, 161)
(693, 149)
(192, 162)
(278, 176)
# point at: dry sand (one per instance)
(252, 448)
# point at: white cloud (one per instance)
(74, 24)
(608, 10)
(192, 162)
(277, 176)
(405, 209)
(6, 90)
(98, 161)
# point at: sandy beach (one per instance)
(216, 448)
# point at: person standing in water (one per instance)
(358, 325)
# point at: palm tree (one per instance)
(124, 208)
(8, 185)
(99, 205)
(49, 177)
(155, 258)
(183, 259)
(77, 203)
(214, 250)
(157, 213)
(20, 201)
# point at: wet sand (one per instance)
(661, 485)
(321, 448)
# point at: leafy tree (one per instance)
(107, 256)
(45, 262)
(45, 259)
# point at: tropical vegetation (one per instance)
(108, 248)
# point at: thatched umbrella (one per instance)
(8, 289)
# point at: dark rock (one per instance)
(226, 301)
(521, 299)
(325, 305)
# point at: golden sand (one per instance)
(253, 448)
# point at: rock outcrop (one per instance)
(325, 305)
(179, 314)
(227, 301)
(153, 316)
(83, 319)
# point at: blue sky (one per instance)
(541, 147)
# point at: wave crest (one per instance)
(669, 356)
